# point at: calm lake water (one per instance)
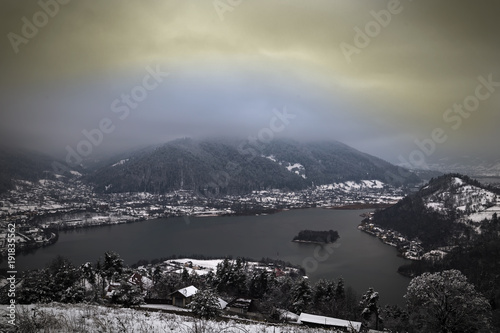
(362, 260)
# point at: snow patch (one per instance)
(296, 168)
(352, 185)
(463, 198)
(486, 214)
(121, 162)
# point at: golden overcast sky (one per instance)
(230, 63)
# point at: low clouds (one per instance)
(227, 76)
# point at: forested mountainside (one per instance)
(444, 212)
(478, 259)
(24, 165)
(237, 166)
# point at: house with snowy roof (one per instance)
(183, 297)
(329, 322)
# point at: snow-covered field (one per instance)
(202, 267)
(63, 318)
(486, 214)
(354, 186)
(476, 203)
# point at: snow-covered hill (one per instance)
(465, 199)
(57, 317)
(447, 211)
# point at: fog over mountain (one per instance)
(423, 82)
(232, 166)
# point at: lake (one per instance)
(362, 260)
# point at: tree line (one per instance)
(464, 308)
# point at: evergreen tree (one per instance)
(166, 285)
(231, 277)
(258, 284)
(237, 280)
(128, 295)
(35, 287)
(324, 296)
(371, 310)
(205, 304)
(185, 276)
(156, 275)
(208, 279)
(195, 280)
(73, 294)
(102, 276)
(340, 290)
(222, 274)
(301, 295)
(88, 273)
(112, 266)
(63, 275)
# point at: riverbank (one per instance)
(407, 248)
(359, 206)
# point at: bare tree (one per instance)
(446, 302)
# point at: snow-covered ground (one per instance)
(354, 186)
(296, 168)
(62, 318)
(202, 267)
(486, 214)
(474, 202)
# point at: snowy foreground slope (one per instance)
(57, 317)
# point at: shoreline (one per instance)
(360, 206)
(311, 242)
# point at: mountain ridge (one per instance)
(237, 166)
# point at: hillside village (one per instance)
(39, 209)
(170, 286)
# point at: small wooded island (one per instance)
(310, 236)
